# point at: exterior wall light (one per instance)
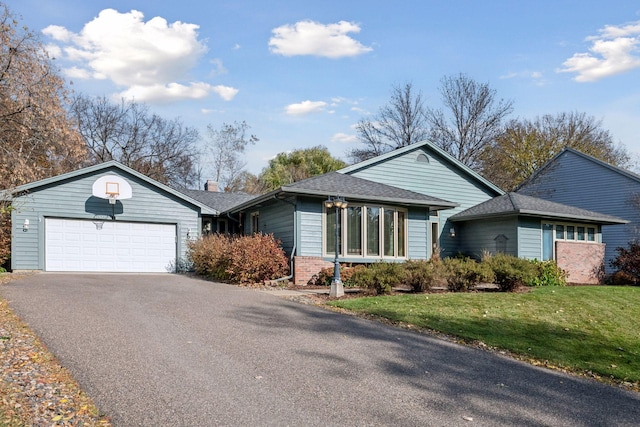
(25, 225)
(452, 232)
(337, 289)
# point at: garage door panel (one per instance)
(77, 245)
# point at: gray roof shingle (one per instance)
(519, 204)
(219, 201)
(352, 188)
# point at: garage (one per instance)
(113, 246)
(103, 218)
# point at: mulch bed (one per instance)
(35, 389)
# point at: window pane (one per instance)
(591, 234)
(388, 232)
(571, 232)
(400, 232)
(580, 233)
(559, 232)
(354, 230)
(373, 231)
(330, 231)
(547, 242)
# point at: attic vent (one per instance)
(422, 158)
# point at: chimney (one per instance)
(211, 185)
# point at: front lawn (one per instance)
(589, 329)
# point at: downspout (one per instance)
(293, 250)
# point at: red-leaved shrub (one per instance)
(239, 259)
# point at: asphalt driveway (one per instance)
(171, 350)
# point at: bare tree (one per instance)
(128, 132)
(399, 123)
(473, 118)
(227, 145)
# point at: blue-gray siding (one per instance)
(578, 181)
(276, 218)
(529, 238)
(73, 199)
(310, 219)
(437, 177)
(418, 231)
(478, 236)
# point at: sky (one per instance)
(303, 73)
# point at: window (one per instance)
(373, 231)
(354, 230)
(581, 233)
(367, 231)
(331, 232)
(571, 232)
(255, 222)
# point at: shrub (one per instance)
(256, 258)
(511, 272)
(464, 274)
(628, 260)
(210, 256)
(548, 274)
(620, 278)
(378, 278)
(325, 276)
(243, 259)
(422, 275)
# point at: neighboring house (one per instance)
(528, 227)
(411, 203)
(580, 180)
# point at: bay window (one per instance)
(367, 231)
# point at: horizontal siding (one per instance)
(577, 181)
(418, 233)
(310, 217)
(478, 236)
(277, 219)
(73, 199)
(436, 178)
(530, 238)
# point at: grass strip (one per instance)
(581, 329)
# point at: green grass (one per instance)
(593, 329)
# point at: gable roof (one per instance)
(351, 188)
(220, 201)
(555, 158)
(430, 146)
(108, 165)
(519, 204)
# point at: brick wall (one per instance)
(304, 267)
(583, 261)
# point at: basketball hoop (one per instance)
(112, 191)
(98, 221)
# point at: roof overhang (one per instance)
(542, 215)
(286, 192)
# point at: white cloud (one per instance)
(150, 59)
(305, 107)
(176, 92)
(613, 51)
(344, 138)
(312, 38)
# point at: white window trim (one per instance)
(597, 235)
(363, 234)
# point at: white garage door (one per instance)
(78, 245)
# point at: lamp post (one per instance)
(337, 290)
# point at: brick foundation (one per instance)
(304, 267)
(583, 261)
